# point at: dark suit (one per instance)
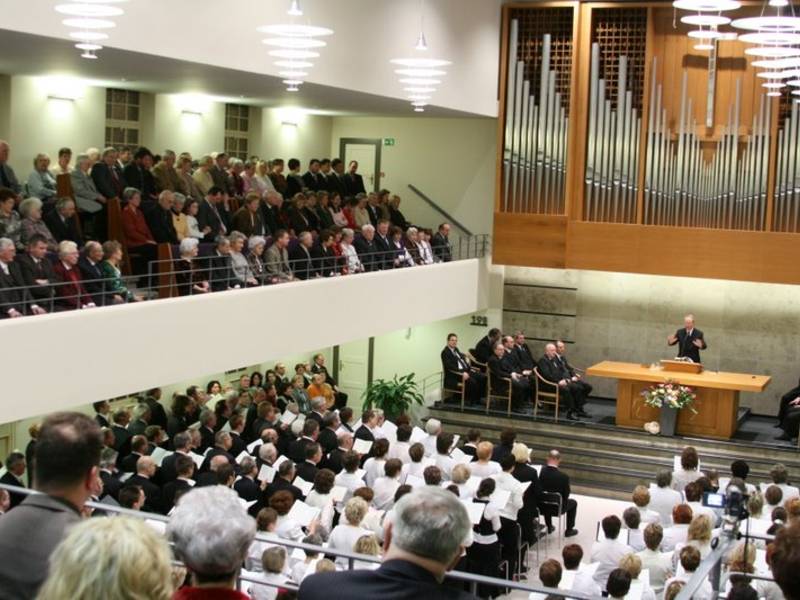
(363, 433)
(108, 181)
(334, 460)
(63, 229)
(237, 444)
(111, 484)
(206, 439)
(92, 277)
(386, 250)
(122, 440)
(158, 415)
(453, 364)
(327, 439)
(366, 253)
(206, 466)
(10, 479)
(167, 470)
(551, 479)
(140, 178)
(523, 356)
(211, 215)
(170, 490)
(161, 225)
(307, 470)
(441, 247)
(483, 349)
(278, 484)
(686, 347)
(581, 388)
(297, 449)
(552, 370)
(247, 489)
(152, 493)
(393, 580)
(324, 260)
(18, 299)
(137, 427)
(28, 535)
(294, 185)
(314, 181)
(31, 271)
(128, 463)
(207, 479)
(529, 511)
(337, 184)
(302, 264)
(221, 275)
(520, 388)
(354, 184)
(101, 420)
(374, 214)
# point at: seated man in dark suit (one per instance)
(383, 246)
(553, 480)
(63, 223)
(582, 388)
(159, 219)
(210, 477)
(334, 460)
(367, 249)
(300, 257)
(37, 273)
(221, 275)
(246, 486)
(457, 371)
(212, 215)
(308, 469)
(414, 562)
(553, 371)
(369, 422)
(484, 349)
(522, 352)
(441, 243)
(500, 370)
(91, 272)
(282, 481)
(297, 449)
(67, 458)
(15, 469)
(328, 437)
(145, 473)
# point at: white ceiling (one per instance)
(206, 47)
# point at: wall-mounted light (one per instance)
(63, 88)
(289, 123)
(194, 113)
(56, 96)
(290, 116)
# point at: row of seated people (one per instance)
(510, 361)
(40, 281)
(357, 508)
(323, 197)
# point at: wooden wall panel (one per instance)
(528, 240)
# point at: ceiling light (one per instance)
(772, 51)
(294, 64)
(704, 34)
(292, 81)
(705, 20)
(294, 43)
(773, 85)
(293, 74)
(706, 5)
(418, 97)
(89, 10)
(420, 72)
(419, 109)
(779, 3)
(417, 81)
(89, 54)
(88, 36)
(295, 30)
(294, 53)
(84, 46)
(704, 46)
(769, 24)
(294, 9)
(89, 23)
(773, 75)
(776, 38)
(420, 90)
(423, 63)
(774, 94)
(793, 82)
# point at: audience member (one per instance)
(555, 481)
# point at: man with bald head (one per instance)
(689, 339)
(145, 472)
(551, 369)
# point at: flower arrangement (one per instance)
(670, 394)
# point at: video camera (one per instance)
(733, 501)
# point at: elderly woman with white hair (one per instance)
(243, 276)
(70, 294)
(349, 253)
(40, 182)
(256, 246)
(30, 210)
(113, 559)
(211, 533)
(190, 279)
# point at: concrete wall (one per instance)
(452, 161)
(749, 327)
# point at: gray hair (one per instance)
(140, 410)
(109, 150)
(178, 198)
(268, 453)
(304, 235)
(108, 458)
(297, 427)
(182, 439)
(428, 509)
(256, 241)
(130, 192)
(81, 157)
(27, 205)
(433, 426)
(367, 227)
(169, 154)
(211, 531)
(235, 162)
(67, 247)
(247, 465)
(62, 202)
(188, 244)
(6, 243)
(318, 402)
(347, 232)
(205, 416)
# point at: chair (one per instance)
(490, 391)
(483, 367)
(459, 390)
(552, 398)
(554, 500)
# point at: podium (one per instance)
(681, 366)
(717, 402)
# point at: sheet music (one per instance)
(362, 446)
(266, 473)
(303, 513)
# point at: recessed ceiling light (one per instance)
(88, 23)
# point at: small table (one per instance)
(717, 403)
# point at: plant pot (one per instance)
(668, 419)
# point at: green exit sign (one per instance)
(388, 141)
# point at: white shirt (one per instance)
(289, 529)
(324, 502)
(266, 592)
(430, 445)
(636, 539)
(673, 536)
(344, 537)
(445, 464)
(663, 500)
(351, 481)
(374, 469)
(416, 468)
(484, 470)
(648, 516)
(704, 592)
(660, 566)
(698, 509)
(583, 582)
(491, 513)
(399, 450)
(682, 478)
(253, 560)
(608, 553)
(353, 262)
(385, 488)
(506, 481)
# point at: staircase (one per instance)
(609, 462)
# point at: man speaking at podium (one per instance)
(690, 340)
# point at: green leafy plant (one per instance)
(394, 397)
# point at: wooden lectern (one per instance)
(681, 366)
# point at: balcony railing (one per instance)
(171, 276)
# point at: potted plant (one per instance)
(394, 396)
(669, 397)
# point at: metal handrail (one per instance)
(161, 277)
(473, 579)
(439, 209)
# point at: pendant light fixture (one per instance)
(89, 20)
